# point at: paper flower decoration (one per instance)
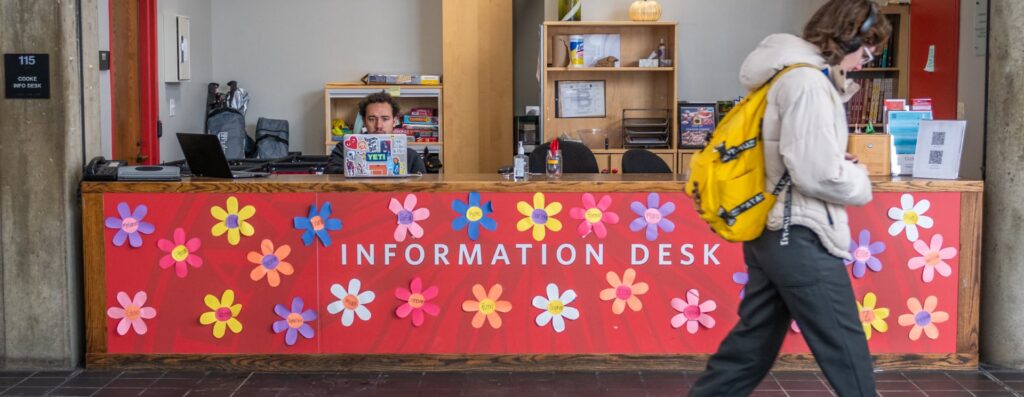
(180, 253)
(555, 308)
(909, 217)
(473, 215)
(317, 224)
(692, 312)
(872, 317)
(594, 215)
(863, 252)
(408, 215)
(131, 313)
(741, 278)
(351, 302)
(539, 217)
(923, 318)
(129, 225)
(933, 258)
(223, 315)
(652, 217)
(233, 221)
(295, 321)
(793, 327)
(417, 301)
(270, 263)
(624, 291)
(487, 306)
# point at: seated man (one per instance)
(380, 114)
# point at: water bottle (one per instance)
(519, 165)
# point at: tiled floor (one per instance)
(647, 383)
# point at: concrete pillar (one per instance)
(1002, 300)
(40, 167)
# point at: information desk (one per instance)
(594, 272)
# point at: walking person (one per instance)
(805, 132)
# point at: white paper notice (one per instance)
(939, 146)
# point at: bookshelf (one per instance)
(626, 87)
(888, 77)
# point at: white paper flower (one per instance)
(554, 308)
(909, 217)
(351, 302)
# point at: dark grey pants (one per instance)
(802, 281)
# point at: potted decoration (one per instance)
(645, 11)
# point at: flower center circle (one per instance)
(223, 314)
(652, 215)
(692, 312)
(417, 301)
(555, 307)
(350, 301)
(867, 316)
(923, 318)
(404, 217)
(932, 258)
(295, 320)
(593, 215)
(539, 217)
(231, 221)
(862, 254)
(129, 225)
(487, 306)
(317, 222)
(910, 218)
(179, 253)
(474, 214)
(623, 292)
(132, 312)
(270, 261)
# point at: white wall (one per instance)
(190, 95)
(284, 52)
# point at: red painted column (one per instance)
(935, 22)
(148, 75)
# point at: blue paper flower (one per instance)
(474, 215)
(318, 224)
(129, 225)
(295, 321)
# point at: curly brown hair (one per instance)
(379, 97)
(838, 23)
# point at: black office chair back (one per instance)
(641, 161)
(576, 158)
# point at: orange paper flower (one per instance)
(923, 318)
(270, 263)
(624, 291)
(487, 306)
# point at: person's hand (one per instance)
(850, 157)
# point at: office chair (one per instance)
(576, 158)
(642, 161)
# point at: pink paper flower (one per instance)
(594, 215)
(180, 253)
(131, 313)
(932, 258)
(923, 318)
(692, 312)
(408, 215)
(417, 301)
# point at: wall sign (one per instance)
(27, 76)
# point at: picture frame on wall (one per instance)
(696, 123)
(579, 99)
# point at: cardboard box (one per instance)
(872, 150)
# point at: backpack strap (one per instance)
(786, 182)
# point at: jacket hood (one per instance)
(775, 53)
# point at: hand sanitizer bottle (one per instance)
(519, 165)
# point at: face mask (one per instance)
(846, 87)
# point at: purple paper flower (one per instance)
(864, 252)
(653, 216)
(741, 278)
(129, 225)
(294, 321)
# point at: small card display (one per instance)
(696, 123)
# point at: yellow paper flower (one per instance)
(233, 221)
(223, 314)
(539, 217)
(871, 317)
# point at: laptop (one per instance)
(376, 155)
(205, 157)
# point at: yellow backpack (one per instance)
(727, 177)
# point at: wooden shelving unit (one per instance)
(626, 87)
(899, 72)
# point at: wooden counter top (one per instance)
(480, 182)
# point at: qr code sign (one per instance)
(938, 138)
(935, 157)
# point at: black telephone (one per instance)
(101, 169)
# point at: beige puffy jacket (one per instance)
(805, 131)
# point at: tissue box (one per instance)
(872, 150)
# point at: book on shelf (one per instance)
(868, 105)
